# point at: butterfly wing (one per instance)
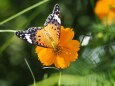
(39, 36)
(44, 36)
(29, 35)
(51, 31)
(52, 26)
(54, 18)
(47, 36)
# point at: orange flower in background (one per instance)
(105, 10)
(64, 52)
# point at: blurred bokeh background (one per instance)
(96, 63)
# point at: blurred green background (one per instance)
(96, 63)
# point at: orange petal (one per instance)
(38, 49)
(69, 55)
(46, 56)
(60, 62)
(101, 7)
(111, 16)
(105, 11)
(63, 60)
(74, 45)
(66, 35)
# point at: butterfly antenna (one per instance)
(13, 31)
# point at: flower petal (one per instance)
(105, 11)
(74, 45)
(46, 56)
(68, 49)
(60, 62)
(66, 35)
(69, 55)
(101, 7)
(111, 17)
(38, 49)
(63, 60)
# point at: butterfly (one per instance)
(45, 36)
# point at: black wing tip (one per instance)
(20, 34)
(29, 30)
(17, 33)
(56, 4)
(56, 9)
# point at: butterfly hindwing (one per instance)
(47, 35)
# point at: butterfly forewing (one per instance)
(54, 17)
(29, 35)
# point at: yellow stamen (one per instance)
(57, 50)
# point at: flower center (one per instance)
(57, 50)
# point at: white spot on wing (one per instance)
(57, 18)
(27, 36)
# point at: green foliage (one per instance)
(76, 80)
(95, 65)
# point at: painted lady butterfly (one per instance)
(44, 36)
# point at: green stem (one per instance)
(30, 71)
(59, 82)
(7, 30)
(23, 11)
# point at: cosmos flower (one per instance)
(105, 10)
(64, 52)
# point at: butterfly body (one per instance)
(47, 35)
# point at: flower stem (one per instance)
(8, 31)
(23, 11)
(30, 71)
(59, 82)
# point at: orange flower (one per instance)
(64, 52)
(105, 10)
